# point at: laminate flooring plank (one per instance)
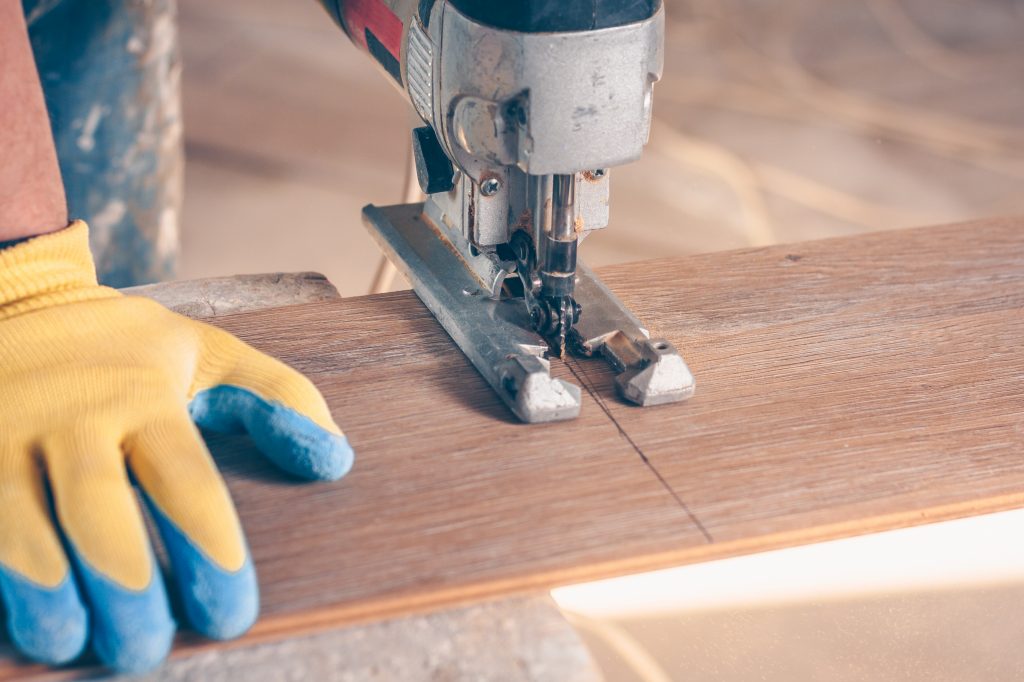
(844, 385)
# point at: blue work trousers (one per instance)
(111, 75)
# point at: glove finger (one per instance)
(46, 619)
(132, 628)
(199, 526)
(283, 412)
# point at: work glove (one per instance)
(99, 391)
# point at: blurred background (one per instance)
(777, 121)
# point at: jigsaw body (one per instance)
(527, 105)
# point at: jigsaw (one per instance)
(527, 105)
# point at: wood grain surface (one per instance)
(844, 386)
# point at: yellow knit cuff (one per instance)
(48, 270)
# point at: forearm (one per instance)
(32, 197)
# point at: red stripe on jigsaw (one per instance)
(360, 15)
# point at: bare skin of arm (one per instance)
(32, 199)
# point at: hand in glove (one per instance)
(100, 390)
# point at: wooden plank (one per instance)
(845, 386)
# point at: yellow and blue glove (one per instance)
(99, 391)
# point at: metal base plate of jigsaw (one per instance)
(497, 337)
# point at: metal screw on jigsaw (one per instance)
(490, 187)
(528, 103)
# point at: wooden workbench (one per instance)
(844, 386)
